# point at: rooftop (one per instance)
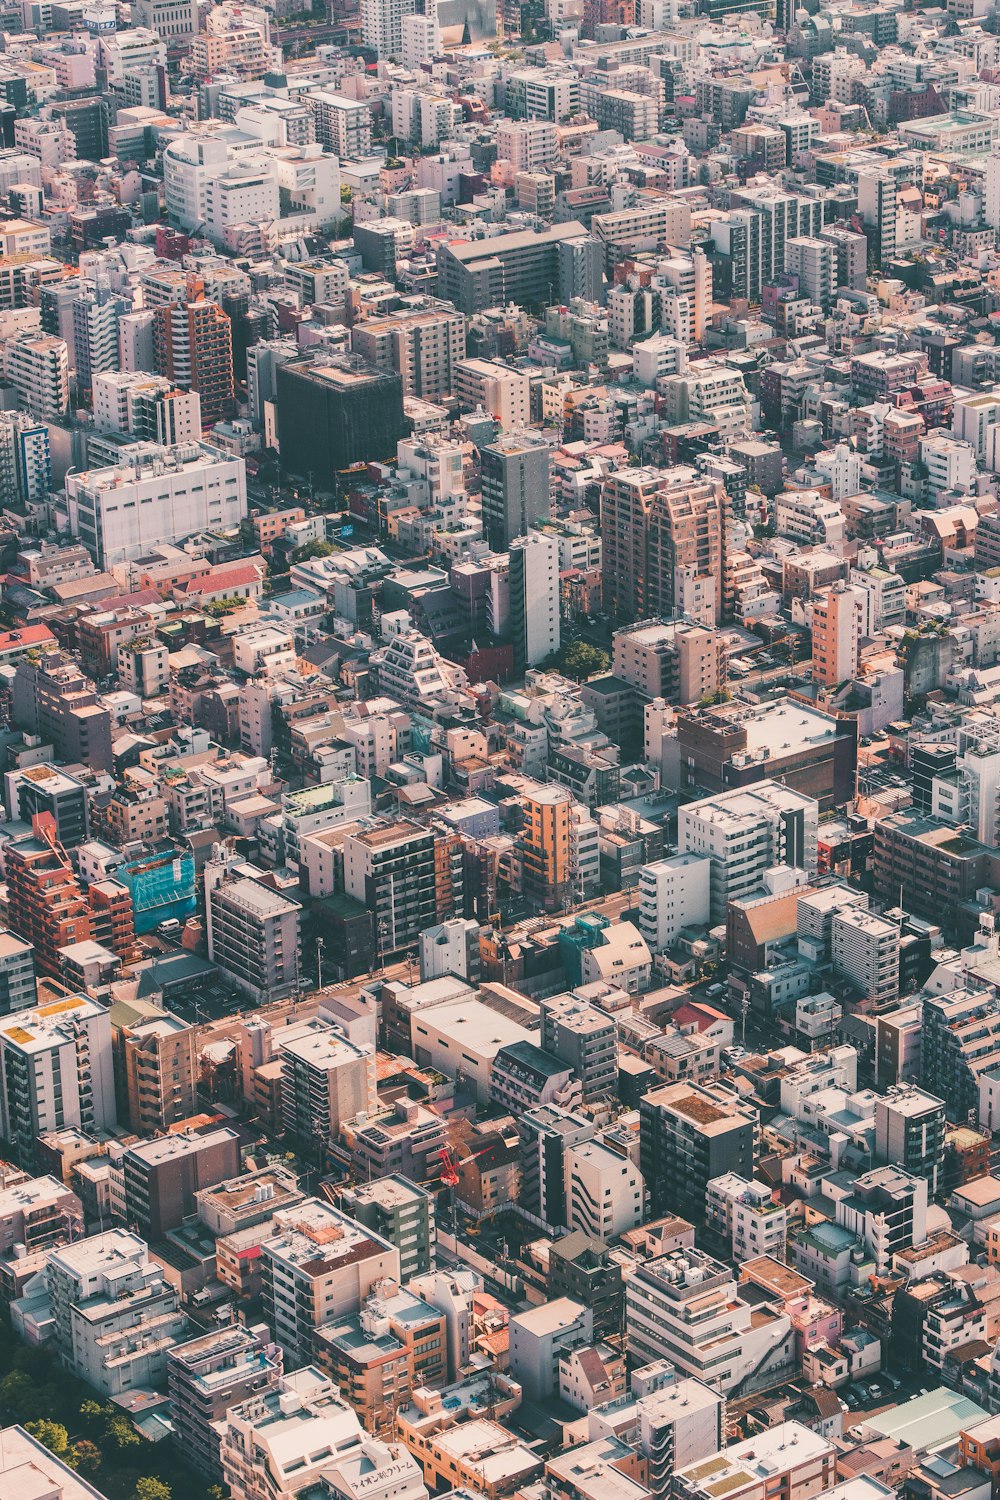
(926, 1421)
(758, 1460)
(253, 897)
(315, 1239)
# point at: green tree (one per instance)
(148, 1488)
(21, 1395)
(51, 1435)
(121, 1433)
(580, 659)
(312, 549)
(224, 606)
(95, 1413)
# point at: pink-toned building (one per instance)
(242, 580)
(815, 1322)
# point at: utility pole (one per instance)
(319, 963)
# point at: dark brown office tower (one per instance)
(193, 345)
(249, 324)
(162, 1176)
(662, 532)
(335, 411)
(688, 1134)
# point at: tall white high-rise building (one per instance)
(382, 26)
(25, 458)
(326, 1079)
(38, 369)
(263, 360)
(55, 1070)
(976, 415)
(744, 1212)
(135, 340)
(991, 206)
(970, 794)
(840, 466)
(878, 206)
(865, 949)
(814, 262)
(685, 279)
(534, 598)
(745, 833)
(673, 893)
(96, 314)
(421, 38)
(605, 1192)
(343, 125)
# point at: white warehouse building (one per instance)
(161, 495)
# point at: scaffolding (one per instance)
(162, 887)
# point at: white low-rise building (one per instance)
(303, 1435)
(462, 1039)
(160, 495)
(263, 648)
(747, 1213)
(674, 893)
(113, 1317)
(622, 957)
(605, 1191)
